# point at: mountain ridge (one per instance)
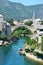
(19, 11)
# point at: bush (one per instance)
(4, 37)
(33, 46)
(41, 22)
(34, 53)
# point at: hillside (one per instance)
(19, 11)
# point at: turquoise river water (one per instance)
(10, 55)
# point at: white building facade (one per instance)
(1, 20)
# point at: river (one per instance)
(10, 56)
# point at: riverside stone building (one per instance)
(5, 27)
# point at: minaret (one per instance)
(33, 18)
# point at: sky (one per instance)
(28, 2)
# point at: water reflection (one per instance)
(3, 53)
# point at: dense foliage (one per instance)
(32, 43)
(3, 37)
(42, 44)
(19, 11)
(29, 23)
(21, 30)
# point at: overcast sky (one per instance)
(28, 2)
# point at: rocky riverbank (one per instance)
(31, 56)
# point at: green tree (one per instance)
(10, 21)
(29, 23)
(31, 43)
